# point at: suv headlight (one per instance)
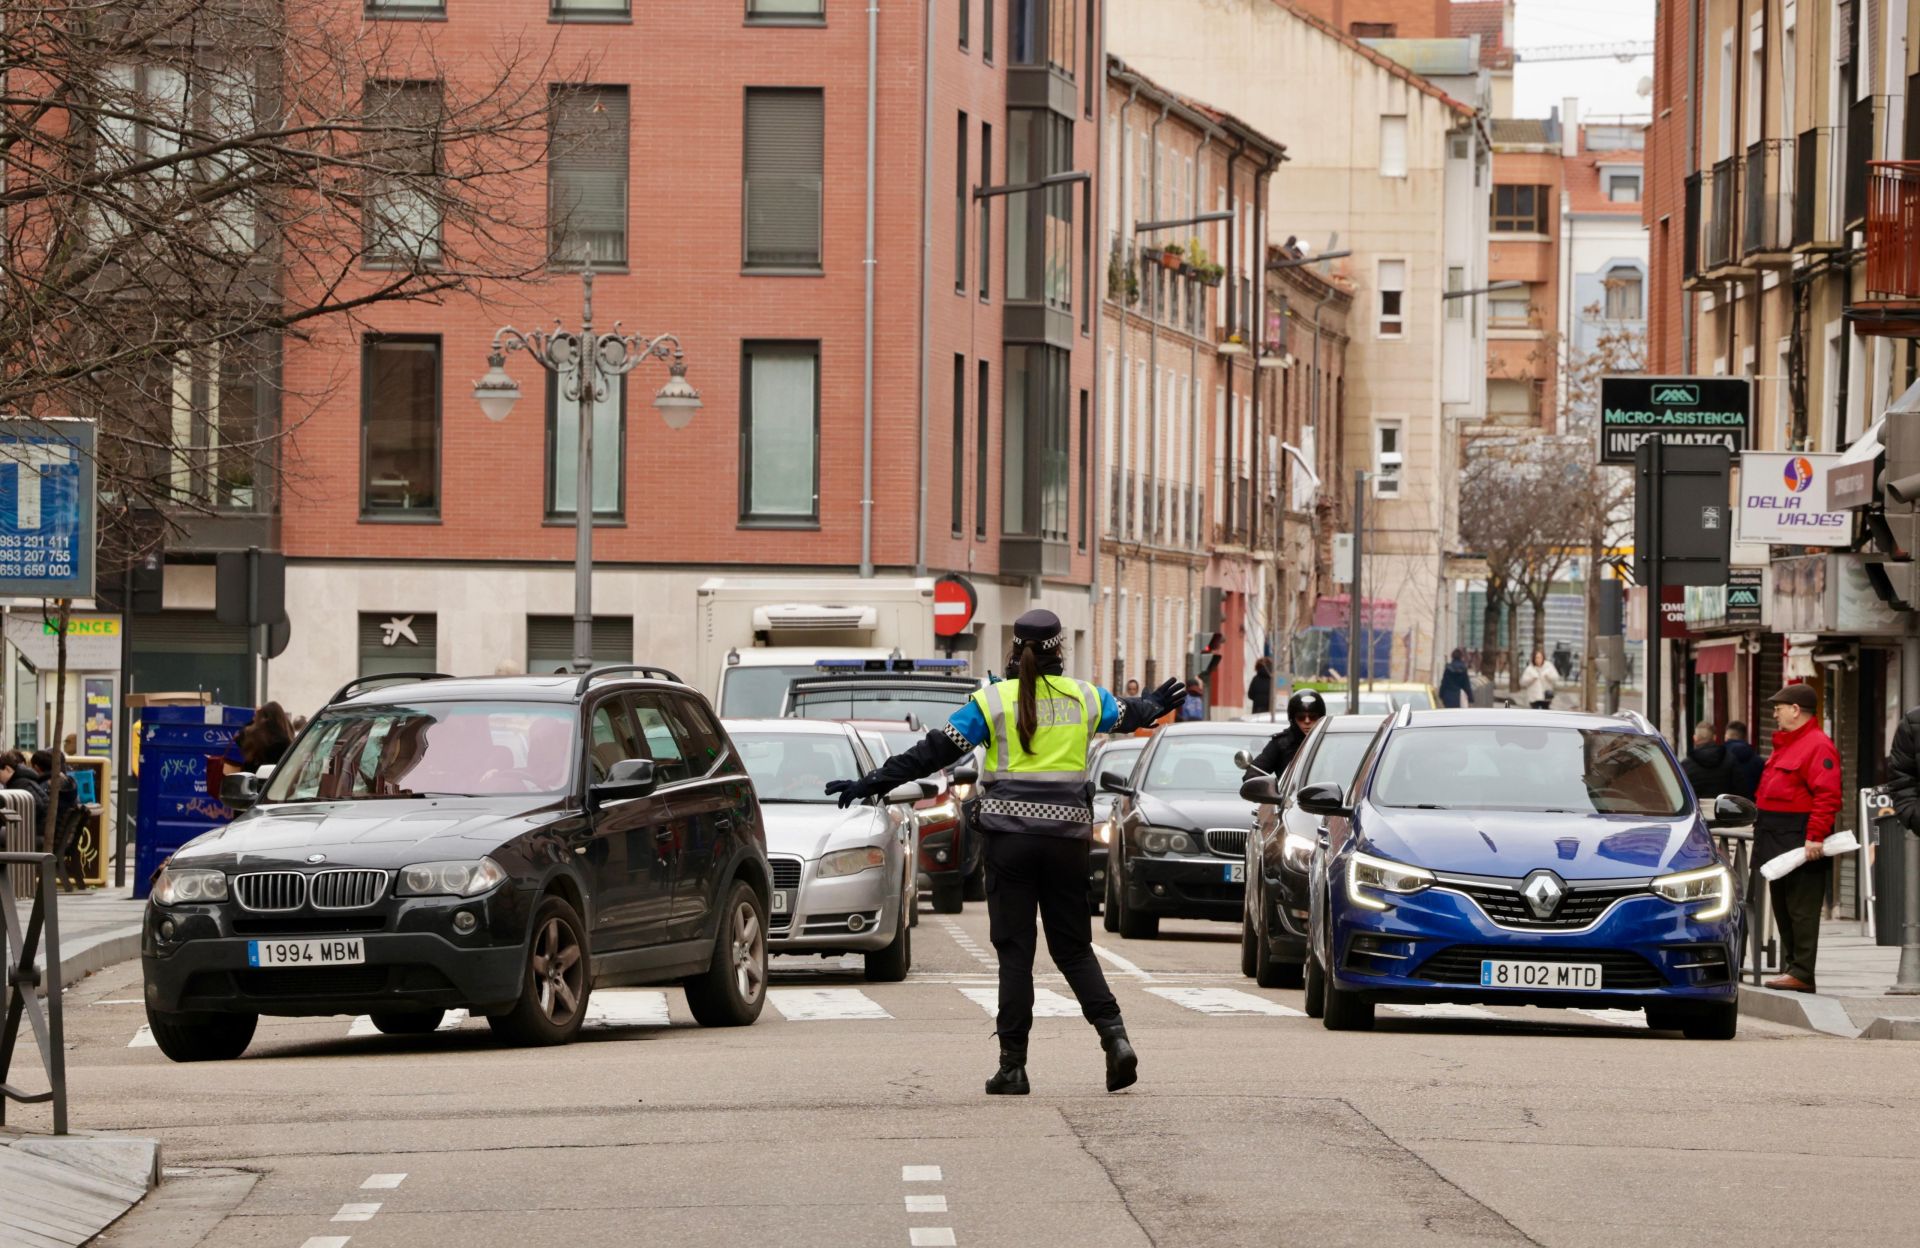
(1164, 841)
(1367, 875)
(1296, 852)
(850, 861)
(1713, 885)
(176, 886)
(450, 879)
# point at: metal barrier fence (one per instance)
(1736, 846)
(44, 1015)
(22, 836)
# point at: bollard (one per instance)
(1907, 983)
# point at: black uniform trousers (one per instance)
(1798, 896)
(1026, 872)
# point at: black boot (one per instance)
(1012, 1077)
(1123, 1065)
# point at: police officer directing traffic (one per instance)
(1037, 816)
(1304, 709)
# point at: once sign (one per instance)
(1680, 411)
(1783, 501)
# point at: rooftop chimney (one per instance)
(1570, 127)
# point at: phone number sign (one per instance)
(47, 485)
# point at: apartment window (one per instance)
(981, 447)
(780, 432)
(593, 8)
(1373, 30)
(392, 642)
(400, 426)
(1393, 293)
(986, 31)
(1624, 295)
(403, 208)
(959, 444)
(1035, 456)
(405, 8)
(550, 642)
(1040, 223)
(986, 210)
(1457, 282)
(563, 450)
(1086, 467)
(795, 12)
(1393, 146)
(1386, 458)
(1042, 32)
(1510, 308)
(1624, 188)
(1510, 401)
(966, 23)
(784, 135)
(961, 198)
(1519, 209)
(587, 176)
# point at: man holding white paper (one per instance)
(1799, 796)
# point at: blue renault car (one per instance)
(1521, 857)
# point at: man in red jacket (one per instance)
(1798, 797)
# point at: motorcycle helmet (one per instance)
(1308, 703)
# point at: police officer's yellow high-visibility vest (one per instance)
(1066, 709)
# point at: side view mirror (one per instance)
(1328, 800)
(1242, 759)
(241, 790)
(1261, 790)
(1731, 811)
(966, 773)
(629, 778)
(910, 792)
(1114, 782)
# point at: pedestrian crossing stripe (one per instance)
(1441, 1011)
(1225, 1001)
(1046, 1002)
(814, 1005)
(627, 1007)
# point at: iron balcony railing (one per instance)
(1767, 212)
(1818, 192)
(1865, 117)
(1893, 229)
(1690, 239)
(1722, 183)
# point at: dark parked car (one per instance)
(1273, 924)
(500, 845)
(1180, 828)
(1116, 754)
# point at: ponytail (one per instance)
(1027, 714)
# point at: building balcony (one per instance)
(1766, 218)
(1818, 191)
(1891, 307)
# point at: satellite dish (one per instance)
(1645, 88)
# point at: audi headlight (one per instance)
(1163, 841)
(941, 812)
(177, 886)
(1367, 875)
(1296, 852)
(450, 879)
(1103, 832)
(850, 861)
(1713, 885)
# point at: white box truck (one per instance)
(754, 634)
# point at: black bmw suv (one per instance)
(500, 845)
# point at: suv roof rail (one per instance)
(1404, 715)
(361, 681)
(644, 669)
(1637, 720)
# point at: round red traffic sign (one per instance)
(953, 605)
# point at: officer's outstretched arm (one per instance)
(939, 749)
(1133, 714)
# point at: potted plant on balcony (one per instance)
(1234, 345)
(1171, 256)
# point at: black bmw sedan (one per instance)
(499, 845)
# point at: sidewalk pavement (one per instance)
(97, 929)
(1855, 974)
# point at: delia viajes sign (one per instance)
(1783, 501)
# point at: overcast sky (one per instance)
(1606, 88)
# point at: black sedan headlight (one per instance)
(1164, 841)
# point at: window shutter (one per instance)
(783, 184)
(550, 641)
(587, 175)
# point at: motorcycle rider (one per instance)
(1304, 709)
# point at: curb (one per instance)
(1806, 1010)
(96, 953)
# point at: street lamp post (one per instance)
(585, 366)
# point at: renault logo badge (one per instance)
(1543, 891)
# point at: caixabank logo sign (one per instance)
(1680, 411)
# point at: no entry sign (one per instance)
(953, 605)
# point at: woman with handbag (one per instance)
(1538, 681)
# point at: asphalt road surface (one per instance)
(852, 1114)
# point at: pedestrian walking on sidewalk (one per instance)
(1710, 767)
(1798, 797)
(1260, 688)
(1538, 682)
(1744, 754)
(1036, 814)
(1456, 683)
(1903, 770)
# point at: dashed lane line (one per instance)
(967, 943)
(926, 1204)
(1225, 1001)
(357, 1212)
(383, 1182)
(919, 1174)
(931, 1237)
(327, 1241)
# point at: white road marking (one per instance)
(143, 1039)
(357, 1213)
(814, 1005)
(1619, 1018)
(931, 1237)
(385, 1182)
(966, 942)
(1442, 1011)
(919, 1174)
(362, 1025)
(620, 1007)
(1119, 962)
(1226, 1001)
(1046, 1002)
(454, 1020)
(122, 1001)
(926, 1204)
(327, 1241)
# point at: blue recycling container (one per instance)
(175, 807)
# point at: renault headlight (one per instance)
(1163, 841)
(178, 886)
(450, 879)
(1713, 885)
(1103, 832)
(1367, 875)
(1296, 853)
(850, 862)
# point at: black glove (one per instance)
(851, 791)
(1169, 697)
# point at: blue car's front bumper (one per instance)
(1429, 946)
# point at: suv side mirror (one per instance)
(1732, 811)
(1114, 782)
(241, 790)
(966, 773)
(1328, 800)
(1261, 790)
(626, 779)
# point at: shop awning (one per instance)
(1714, 660)
(1850, 480)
